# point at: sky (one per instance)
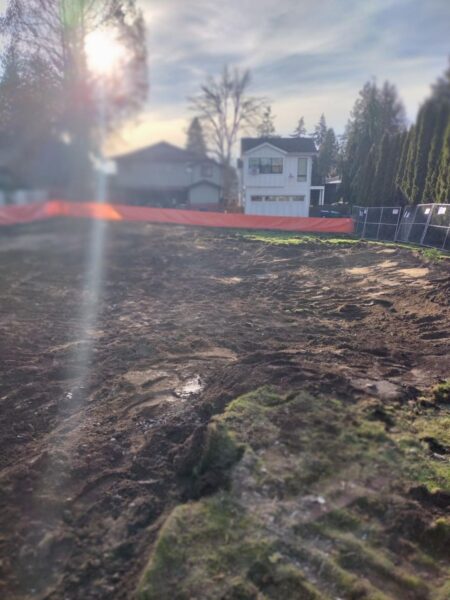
(306, 56)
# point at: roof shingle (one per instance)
(302, 145)
(163, 152)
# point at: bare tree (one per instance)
(53, 34)
(225, 110)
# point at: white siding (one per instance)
(284, 184)
(204, 194)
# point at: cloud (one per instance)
(307, 57)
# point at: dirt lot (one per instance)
(101, 429)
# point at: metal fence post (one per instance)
(413, 220)
(379, 223)
(400, 213)
(365, 222)
(430, 214)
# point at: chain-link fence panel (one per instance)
(359, 217)
(424, 224)
(437, 234)
(406, 222)
(376, 222)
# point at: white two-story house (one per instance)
(276, 175)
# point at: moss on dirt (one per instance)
(214, 549)
(296, 239)
(441, 392)
(314, 505)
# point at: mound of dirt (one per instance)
(313, 503)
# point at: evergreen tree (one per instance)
(375, 113)
(406, 177)
(441, 89)
(300, 130)
(267, 127)
(443, 179)
(426, 123)
(403, 153)
(327, 158)
(51, 37)
(384, 189)
(320, 131)
(433, 166)
(195, 142)
(393, 115)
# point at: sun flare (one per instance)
(104, 52)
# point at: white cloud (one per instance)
(307, 57)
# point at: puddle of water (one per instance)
(190, 387)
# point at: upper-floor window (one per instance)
(257, 166)
(207, 170)
(302, 172)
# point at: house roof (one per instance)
(205, 182)
(162, 152)
(298, 145)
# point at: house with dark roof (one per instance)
(275, 176)
(168, 176)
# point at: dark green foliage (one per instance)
(327, 158)
(320, 131)
(376, 112)
(426, 123)
(195, 140)
(436, 147)
(384, 188)
(267, 127)
(443, 178)
(407, 176)
(300, 130)
(385, 165)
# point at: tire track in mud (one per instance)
(179, 307)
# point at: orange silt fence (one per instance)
(10, 215)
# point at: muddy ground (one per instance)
(100, 429)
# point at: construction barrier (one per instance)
(26, 213)
(10, 215)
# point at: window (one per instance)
(277, 198)
(302, 169)
(265, 166)
(206, 171)
(277, 165)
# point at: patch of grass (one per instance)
(295, 239)
(441, 392)
(433, 254)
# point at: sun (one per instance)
(104, 51)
